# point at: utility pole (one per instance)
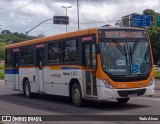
(66, 13)
(78, 13)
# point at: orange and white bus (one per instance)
(96, 64)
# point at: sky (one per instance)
(22, 15)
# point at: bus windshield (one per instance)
(125, 56)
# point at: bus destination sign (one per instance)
(123, 34)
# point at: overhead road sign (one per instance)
(140, 20)
(61, 20)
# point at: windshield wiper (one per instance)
(120, 48)
(134, 46)
(118, 45)
(132, 50)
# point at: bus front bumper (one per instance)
(106, 93)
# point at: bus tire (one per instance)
(27, 89)
(122, 100)
(76, 95)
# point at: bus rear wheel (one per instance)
(122, 100)
(27, 89)
(76, 95)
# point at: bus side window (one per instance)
(8, 57)
(54, 52)
(15, 60)
(70, 51)
(29, 55)
(22, 56)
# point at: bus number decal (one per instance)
(73, 73)
(122, 85)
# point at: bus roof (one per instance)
(65, 35)
(52, 38)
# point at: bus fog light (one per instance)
(151, 82)
(107, 84)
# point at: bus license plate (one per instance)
(132, 95)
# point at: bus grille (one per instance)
(129, 78)
(125, 93)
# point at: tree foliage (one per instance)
(7, 37)
(2, 50)
(154, 34)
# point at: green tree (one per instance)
(154, 34)
(2, 50)
(153, 14)
(7, 37)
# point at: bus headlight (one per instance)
(107, 84)
(151, 82)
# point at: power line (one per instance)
(17, 8)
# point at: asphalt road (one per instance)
(14, 103)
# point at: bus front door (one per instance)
(91, 66)
(40, 73)
(16, 70)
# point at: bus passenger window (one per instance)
(70, 51)
(54, 52)
(29, 55)
(22, 56)
(8, 61)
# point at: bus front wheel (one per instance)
(122, 100)
(27, 89)
(76, 95)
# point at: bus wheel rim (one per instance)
(76, 95)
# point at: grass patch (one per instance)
(157, 74)
(1, 66)
(1, 75)
(1, 72)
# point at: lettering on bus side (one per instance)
(72, 73)
(88, 38)
(55, 75)
(39, 46)
(16, 50)
(66, 73)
